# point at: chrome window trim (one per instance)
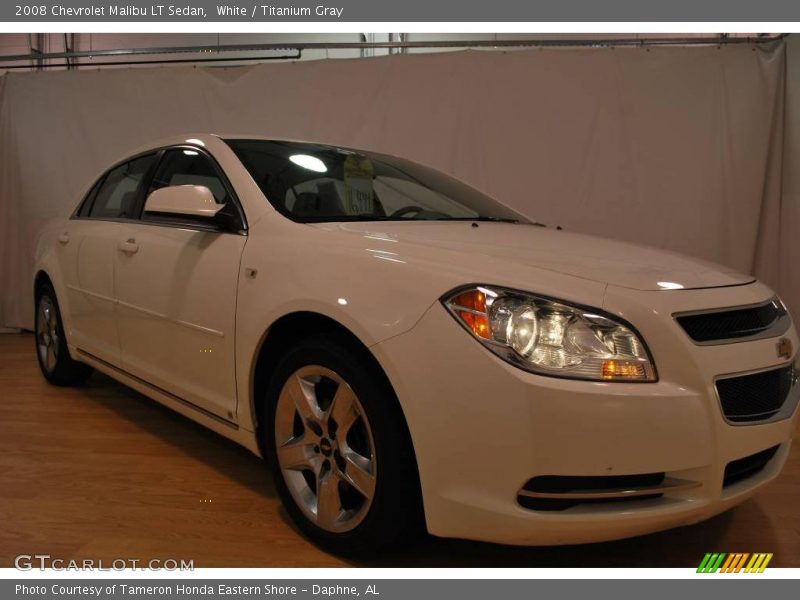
(155, 223)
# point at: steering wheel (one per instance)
(407, 210)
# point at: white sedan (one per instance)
(409, 353)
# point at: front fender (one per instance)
(375, 287)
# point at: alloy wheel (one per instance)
(325, 448)
(47, 338)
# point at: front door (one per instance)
(176, 285)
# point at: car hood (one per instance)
(588, 257)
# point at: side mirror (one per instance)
(183, 200)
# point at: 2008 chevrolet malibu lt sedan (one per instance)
(409, 353)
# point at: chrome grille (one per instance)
(720, 326)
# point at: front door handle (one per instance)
(129, 246)
(63, 238)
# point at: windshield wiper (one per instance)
(343, 219)
(484, 219)
(496, 219)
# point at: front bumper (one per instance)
(482, 428)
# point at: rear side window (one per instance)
(188, 167)
(117, 194)
(86, 205)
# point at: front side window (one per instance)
(316, 183)
(115, 196)
(188, 167)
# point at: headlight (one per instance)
(550, 337)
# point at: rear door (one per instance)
(176, 285)
(87, 248)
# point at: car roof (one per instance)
(211, 139)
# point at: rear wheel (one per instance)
(51, 343)
(341, 456)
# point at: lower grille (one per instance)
(557, 492)
(756, 397)
(744, 468)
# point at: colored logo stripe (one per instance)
(734, 563)
(711, 562)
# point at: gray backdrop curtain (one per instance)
(679, 148)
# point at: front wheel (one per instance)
(51, 343)
(340, 450)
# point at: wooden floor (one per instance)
(101, 472)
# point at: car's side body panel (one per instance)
(178, 331)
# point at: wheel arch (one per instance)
(293, 326)
(41, 279)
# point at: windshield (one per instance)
(316, 183)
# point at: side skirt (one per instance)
(227, 429)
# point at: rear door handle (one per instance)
(129, 246)
(63, 238)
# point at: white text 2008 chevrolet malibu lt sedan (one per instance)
(408, 352)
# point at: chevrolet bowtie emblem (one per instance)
(785, 348)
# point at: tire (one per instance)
(336, 381)
(50, 341)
